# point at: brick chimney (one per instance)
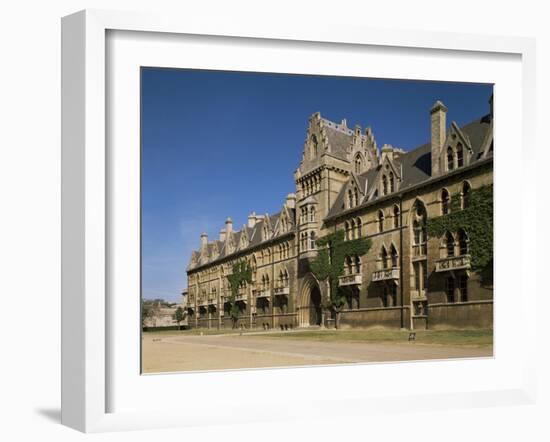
(438, 134)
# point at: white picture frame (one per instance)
(87, 354)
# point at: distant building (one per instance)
(163, 315)
(344, 181)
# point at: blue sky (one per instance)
(218, 144)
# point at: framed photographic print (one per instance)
(262, 210)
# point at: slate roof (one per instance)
(417, 165)
(339, 139)
(254, 238)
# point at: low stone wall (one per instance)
(473, 314)
(379, 316)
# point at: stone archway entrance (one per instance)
(315, 312)
(310, 311)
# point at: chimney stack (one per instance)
(291, 201)
(222, 235)
(438, 128)
(344, 123)
(252, 220)
(228, 225)
(204, 240)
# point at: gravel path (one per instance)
(184, 353)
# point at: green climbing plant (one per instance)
(477, 221)
(242, 272)
(328, 265)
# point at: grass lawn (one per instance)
(441, 337)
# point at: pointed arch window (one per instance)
(384, 258)
(463, 242)
(358, 164)
(396, 215)
(450, 159)
(380, 221)
(445, 202)
(466, 193)
(312, 214)
(347, 231)
(419, 230)
(348, 266)
(384, 185)
(450, 244)
(352, 229)
(312, 244)
(356, 196)
(394, 256)
(357, 261)
(392, 183)
(358, 225)
(459, 155)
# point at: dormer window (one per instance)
(459, 155)
(450, 159)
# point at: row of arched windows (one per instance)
(307, 241)
(464, 195)
(455, 157)
(264, 282)
(352, 265)
(453, 244)
(396, 222)
(308, 214)
(283, 278)
(353, 229)
(311, 185)
(284, 250)
(389, 259)
(388, 183)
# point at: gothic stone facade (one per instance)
(406, 280)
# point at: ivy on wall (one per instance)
(477, 221)
(329, 264)
(242, 272)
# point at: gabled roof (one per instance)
(416, 164)
(339, 139)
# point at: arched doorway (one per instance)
(315, 313)
(310, 310)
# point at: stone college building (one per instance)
(409, 278)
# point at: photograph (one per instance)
(301, 220)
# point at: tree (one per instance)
(149, 309)
(328, 266)
(179, 315)
(242, 273)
